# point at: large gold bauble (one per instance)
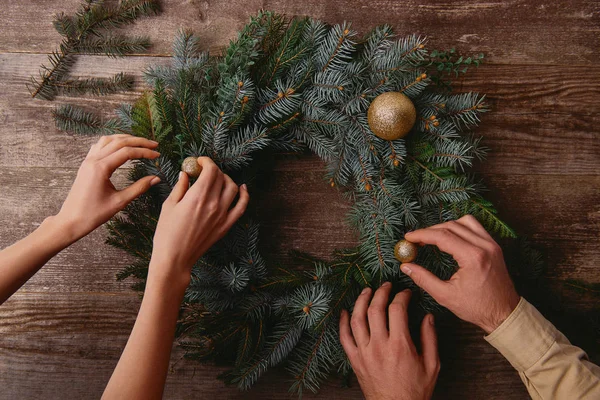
(405, 251)
(191, 167)
(391, 115)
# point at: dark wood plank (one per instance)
(543, 122)
(514, 31)
(78, 337)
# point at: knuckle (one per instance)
(467, 217)
(478, 255)
(495, 249)
(212, 208)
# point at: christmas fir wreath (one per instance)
(377, 110)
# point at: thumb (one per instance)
(433, 285)
(138, 188)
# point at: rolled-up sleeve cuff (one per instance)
(524, 337)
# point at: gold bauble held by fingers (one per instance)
(391, 115)
(405, 251)
(191, 167)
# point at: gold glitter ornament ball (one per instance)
(191, 167)
(405, 251)
(391, 115)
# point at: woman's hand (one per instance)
(192, 220)
(93, 199)
(384, 359)
(481, 291)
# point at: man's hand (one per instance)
(481, 291)
(386, 361)
(93, 199)
(193, 219)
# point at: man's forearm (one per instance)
(549, 365)
(142, 368)
(23, 259)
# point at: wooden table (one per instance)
(62, 333)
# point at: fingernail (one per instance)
(181, 174)
(154, 141)
(243, 186)
(365, 290)
(385, 284)
(154, 181)
(404, 268)
(431, 319)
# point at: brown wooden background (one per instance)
(62, 333)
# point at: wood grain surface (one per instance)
(62, 333)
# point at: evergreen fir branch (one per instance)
(488, 216)
(464, 109)
(336, 48)
(285, 337)
(112, 45)
(309, 304)
(74, 119)
(94, 86)
(234, 278)
(312, 360)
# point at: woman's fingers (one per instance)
(229, 191)
(209, 183)
(125, 141)
(180, 189)
(238, 210)
(136, 189)
(377, 314)
(358, 322)
(118, 158)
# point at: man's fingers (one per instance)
(136, 189)
(437, 288)
(358, 322)
(180, 189)
(471, 222)
(126, 141)
(429, 344)
(398, 315)
(346, 337)
(463, 232)
(377, 312)
(238, 210)
(118, 158)
(443, 238)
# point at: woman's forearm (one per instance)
(23, 259)
(142, 368)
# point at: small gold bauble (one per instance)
(191, 167)
(405, 251)
(391, 115)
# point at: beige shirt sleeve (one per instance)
(549, 365)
